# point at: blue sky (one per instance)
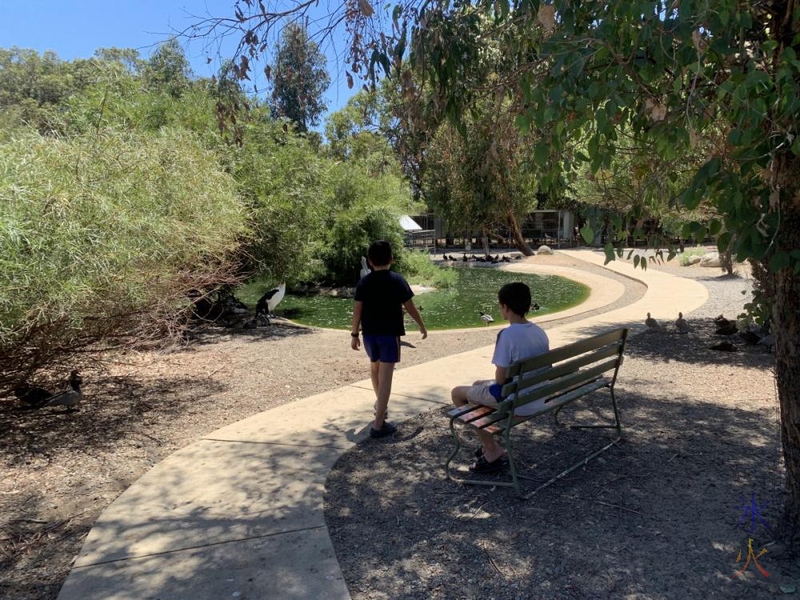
(76, 28)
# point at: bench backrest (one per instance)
(564, 369)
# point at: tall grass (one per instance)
(100, 226)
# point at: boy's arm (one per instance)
(500, 375)
(412, 310)
(358, 308)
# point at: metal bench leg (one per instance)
(616, 424)
(453, 454)
(511, 462)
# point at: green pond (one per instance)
(452, 308)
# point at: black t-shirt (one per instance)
(383, 294)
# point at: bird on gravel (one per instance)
(721, 321)
(265, 306)
(33, 396)
(750, 337)
(71, 397)
(724, 347)
(728, 329)
(486, 318)
(652, 324)
(681, 324)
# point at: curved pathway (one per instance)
(239, 513)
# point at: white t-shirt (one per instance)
(519, 341)
(516, 342)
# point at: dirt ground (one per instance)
(60, 470)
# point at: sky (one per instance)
(76, 28)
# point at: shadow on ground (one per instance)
(654, 517)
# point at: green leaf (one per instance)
(540, 154)
(609, 250)
(780, 260)
(714, 226)
(587, 233)
(636, 260)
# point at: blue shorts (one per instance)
(384, 348)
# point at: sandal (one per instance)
(483, 466)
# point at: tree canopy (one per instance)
(299, 79)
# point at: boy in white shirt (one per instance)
(519, 341)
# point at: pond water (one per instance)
(452, 308)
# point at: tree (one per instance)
(669, 72)
(299, 79)
(168, 69)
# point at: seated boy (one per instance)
(520, 340)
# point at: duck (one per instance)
(33, 396)
(267, 303)
(721, 321)
(681, 324)
(724, 347)
(486, 318)
(364, 268)
(652, 324)
(71, 397)
(750, 337)
(727, 329)
(535, 306)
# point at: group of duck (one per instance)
(484, 259)
(37, 397)
(751, 335)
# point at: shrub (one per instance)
(417, 267)
(101, 237)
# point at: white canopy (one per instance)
(408, 224)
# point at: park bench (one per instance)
(547, 382)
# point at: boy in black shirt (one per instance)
(379, 301)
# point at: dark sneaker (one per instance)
(483, 466)
(386, 430)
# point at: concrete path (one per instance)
(239, 513)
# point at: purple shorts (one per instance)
(383, 348)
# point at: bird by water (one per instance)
(69, 398)
(265, 307)
(486, 318)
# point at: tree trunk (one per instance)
(784, 286)
(516, 235)
(485, 240)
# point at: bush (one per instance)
(417, 267)
(101, 236)
(366, 207)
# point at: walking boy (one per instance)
(379, 301)
(519, 341)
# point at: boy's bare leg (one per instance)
(385, 373)
(373, 375)
(491, 449)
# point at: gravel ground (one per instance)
(61, 470)
(654, 517)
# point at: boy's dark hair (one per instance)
(516, 296)
(380, 253)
